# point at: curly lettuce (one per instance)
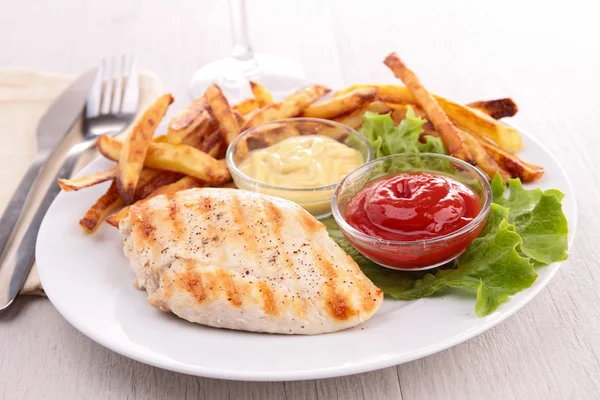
(524, 230)
(387, 138)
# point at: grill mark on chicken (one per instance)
(145, 238)
(191, 282)
(273, 216)
(309, 223)
(145, 227)
(228, 285)
(239, 220)
(268, 299)
(335, 300)
(204, 203)
(179, 226)
(275, 222)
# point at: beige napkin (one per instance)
(24, 97)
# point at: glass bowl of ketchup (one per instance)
(412, 211)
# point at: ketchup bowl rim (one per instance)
(235, 170)
(483, 212)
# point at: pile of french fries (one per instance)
(191, 153)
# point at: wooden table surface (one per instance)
(544, 56)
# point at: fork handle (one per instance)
(18, 264)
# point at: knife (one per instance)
(52, 129)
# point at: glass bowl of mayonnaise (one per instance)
(299, 159)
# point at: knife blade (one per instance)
(52, 130)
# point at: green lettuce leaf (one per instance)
(523, 230)
(491, 268)
(387, 139)
(538, 219)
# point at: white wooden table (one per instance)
(545, 56)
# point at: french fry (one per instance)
(464, 117)
(261, 94)
(172, 157)
(515, 166)
(187, 120)
(496, 109)
(184, 183)
(355, 119)
(222, 112)
(214, 145)
(388, 93)
(160, 139)
(70, 185)
(196, 137)
(484, 160)
(246, 106)
(475, 121)
(399, 110)
(135, 147)
(106, 204)
(153, 181)
(448, 132)
(340, 105)
(291, 106)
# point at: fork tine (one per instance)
(107, 93)
(131, 95)
(119, 77)
(94, 97)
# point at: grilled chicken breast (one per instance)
(240, 260)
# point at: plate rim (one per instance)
(492, 321)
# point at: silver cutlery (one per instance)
(53, 127)
(110, 107)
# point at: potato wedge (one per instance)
(515, 166)
(475, 121)
(246, 106)
(70, 185)
(214, 145)
(483, 159)
(172, 157)
(222, 112)
(464, 117)
(355, 119)
(399, 110)
(135, 147)
(153, 181)
(496, 109)
(160, 139)
(340, 105)
(261, 94)
(184, 183)
(196, 137)
(106, 204)
(449, 134)
(388, 93)
(291, 106)
(188, 119)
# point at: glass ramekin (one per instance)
(315, 200)
(418, 254)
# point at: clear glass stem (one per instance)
(242, 49)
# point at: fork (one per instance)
(110, 107)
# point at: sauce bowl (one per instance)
(418, 254)
(316, 200)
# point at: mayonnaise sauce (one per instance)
(306, 161)
(302, 162)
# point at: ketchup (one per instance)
(411, 207)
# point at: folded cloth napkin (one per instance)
(24, 97)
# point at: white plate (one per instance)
(88, 280)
